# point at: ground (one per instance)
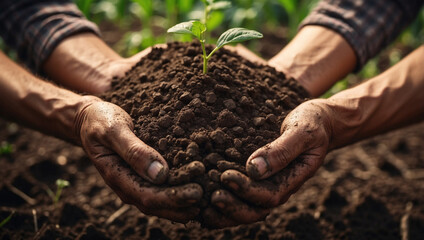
(370, 190)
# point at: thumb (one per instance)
(274, 156)
(143, 159)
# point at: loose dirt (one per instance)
(217, 119)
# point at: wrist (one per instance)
(80, 115)
(317, 58)
(81, 62)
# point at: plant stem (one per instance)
(58, 193)
(205, 58)
(213, 51)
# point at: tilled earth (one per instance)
(371, 190)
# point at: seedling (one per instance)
(198, 29)
(5, 148)
(6, 220)
(60, 185)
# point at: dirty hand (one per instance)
(279, 169)
(129, 166)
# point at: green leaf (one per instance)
(235, 35)
(195, 28)
(62, 183)
(289, 5)
(219, 5)
(6, 220)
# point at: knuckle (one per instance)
(95, 131)
(281, 156)
(135, 153)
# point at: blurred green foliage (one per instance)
(145, 21)
(5, 148)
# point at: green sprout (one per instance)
(6, 220)
(60, 185)
(198, 29)
(5, 148)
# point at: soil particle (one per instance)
(213, 158)
(258, 121)
(185, 115)
(230, 104)
(218, 136)
(210, 97)
(226, 118)
(163, 143)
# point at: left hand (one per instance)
(118, 68)
(277, 170)
(132, 169)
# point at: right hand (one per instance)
(129, 166)
(280, 168)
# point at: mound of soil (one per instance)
(219, 118)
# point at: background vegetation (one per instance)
(130, 26)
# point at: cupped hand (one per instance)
(278, 169)
(130, 167)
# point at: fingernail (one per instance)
(154, 169)
(260, 166)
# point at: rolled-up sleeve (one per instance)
(367, 25)
(35, 28)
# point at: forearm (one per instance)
(38, 104)
(317, 57)
(80, 62)
(391, 100)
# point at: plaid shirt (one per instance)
(368, 25)
(34, 28)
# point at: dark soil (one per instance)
(219, 118)
(362, 192)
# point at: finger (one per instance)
(133, 190)
(277, 190)
(257, 193)
(236, 209)
(145, 161)
(274, 156)
(214, 220)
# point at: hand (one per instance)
(279, 169)
(83, 62)
(117, 68)
(129, 166)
